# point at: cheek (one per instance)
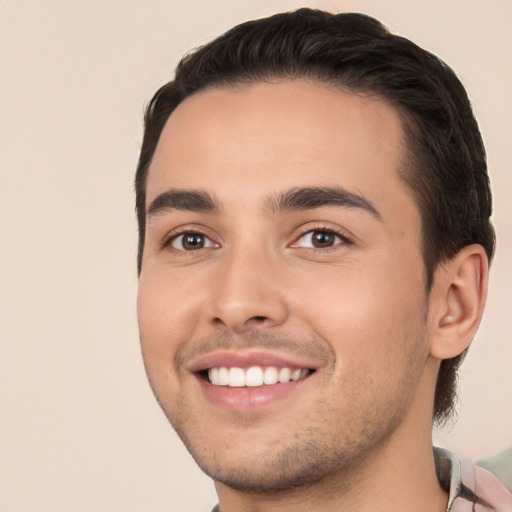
(163, 320)
(167, 303)
(164, 327)
(363, 310)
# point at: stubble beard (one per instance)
(309, 452)
(311, 456)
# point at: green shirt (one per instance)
(501, 466)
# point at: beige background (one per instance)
(79, 428)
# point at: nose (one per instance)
(248, 294)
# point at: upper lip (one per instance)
(246, 359)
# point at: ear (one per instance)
(457, 301)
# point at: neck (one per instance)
(396, 475)
(386, 482)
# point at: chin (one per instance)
(302, 460)
(278, 473)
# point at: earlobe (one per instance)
(457, 301)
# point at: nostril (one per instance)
(258, 319)
(218, 321)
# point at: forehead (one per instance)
(257, 139)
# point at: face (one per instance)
(282, 305)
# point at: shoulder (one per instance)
(501, 466)
(470, 487)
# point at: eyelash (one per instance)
(168, 241)
(345, 240)
(322, 228)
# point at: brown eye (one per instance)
(191, 242)
(319, 239)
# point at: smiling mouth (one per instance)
(254, 376)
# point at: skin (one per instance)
(357, 430)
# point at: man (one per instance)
(313, 207)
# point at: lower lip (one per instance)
(248, 398)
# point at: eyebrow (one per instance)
(295, 199)
(318, 197)
(186, 200)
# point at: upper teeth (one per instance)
(254, 376)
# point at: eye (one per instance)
(319, 239)
(191, 242)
